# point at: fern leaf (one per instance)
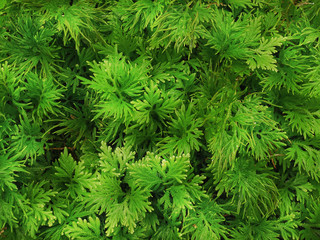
(205, 222)
(27, 141)
(118, 83)
(305, 155)
(262, 56)
(84, 229)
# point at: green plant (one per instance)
(159, 119)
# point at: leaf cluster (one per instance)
(159, 119)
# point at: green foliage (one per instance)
(251, 187)
(77, 122)
(159, 119)
(154, 109)
(43, 95)
(84, 229)
(10, 91)
(184, 132)
(71, 177)
(27, 142)
(118, 83)
(206, 222)
(305, 156)
(35, 207)
(181, 25)
(268, 229)
(247, 126)
(242, 40)
(29, 44)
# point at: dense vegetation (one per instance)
(164, 119)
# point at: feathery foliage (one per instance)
(162, 119)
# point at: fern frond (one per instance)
(268, 229)
(239, 39)
(118, 82)
(78, 122)
(35, 207)
(154, 109)
(84, 229)
(184, 133)
(9, 168)
(72, 179)
(262, 56)
(298, 188)
(27, 141)
(205, 222)
(42, 94)
(253, 190)
(140, 15)
(11, 90)
(181, 26)
(306, 156)
(30, 45)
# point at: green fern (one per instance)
(118, 83)
(27, 142)
(11, 90)
(205, 222)
(305, 155)
(43, 95)
(34, 209)
(298, 188)
(159, 119)
(77, 123)
(181, 25)
(253, 191)
(30, 45)
(72, 179)
(84, 229)
(184, 133)
(154, 110)
(267, 229)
